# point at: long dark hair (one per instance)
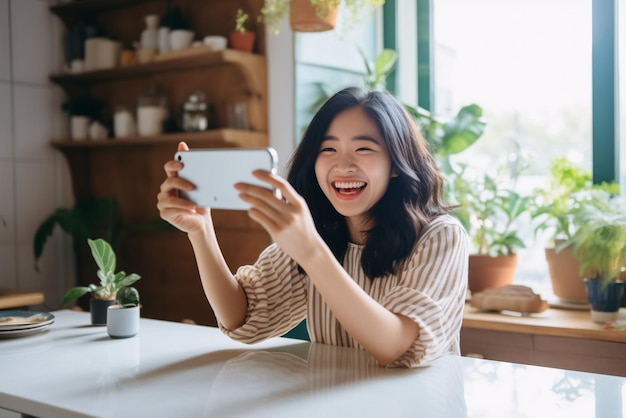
(412, 200)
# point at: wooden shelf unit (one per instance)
(131, 169)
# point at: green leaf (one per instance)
(384, 64)
(103, 255)
(74, 293)
(122, 280)
(463, 131)
(128, 297)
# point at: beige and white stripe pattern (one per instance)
(430, 290)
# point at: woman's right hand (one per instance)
(180, 212)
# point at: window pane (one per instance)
(528, 65)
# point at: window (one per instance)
(528, 65)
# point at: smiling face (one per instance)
(353, 167)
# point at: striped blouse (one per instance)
(430, 290)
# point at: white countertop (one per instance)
(179, 370)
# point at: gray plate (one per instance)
(49, 319)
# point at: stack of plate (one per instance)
(22, 323)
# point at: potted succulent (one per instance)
(314, 15)
(103, 294)
(553, 213)
(599, 244)
(123, 316)
(490, 214)
(241, 38)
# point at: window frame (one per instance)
(605, 94)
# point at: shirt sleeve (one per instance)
(431, 292)
(277, 296)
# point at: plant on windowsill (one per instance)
(552, 212)
(315, 15)
(599, 244)
(104, 293)
(490, 213)
(241, 38)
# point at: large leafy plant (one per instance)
(568, 188)
(599, 242)
(110, 281)
(88, 217)
(488, 211)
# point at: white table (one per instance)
(179, 370)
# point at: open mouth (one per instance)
(349, 188)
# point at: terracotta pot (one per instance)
(567, 283)
(242, 41)
(303, 17)
(487, 272)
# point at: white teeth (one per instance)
(349, 185)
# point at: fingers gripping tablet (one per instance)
(215, 171)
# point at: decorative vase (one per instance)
(303, 17)
(242, 41)
(486, 272)
(150, 35)
(122, 322)
(605, 299)
(98, 309)
(567, 283)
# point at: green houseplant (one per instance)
(88, 217)
(490, 213)
(104, 293)
(599, 244)
(241, 38)
(552, 213)
(314, 15)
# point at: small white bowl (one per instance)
(217, 43)
(180, 39)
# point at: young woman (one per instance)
(364, 247)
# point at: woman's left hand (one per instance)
(287, 220)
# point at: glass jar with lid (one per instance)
(151, 112)
(195, 112)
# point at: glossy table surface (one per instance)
(180, 370)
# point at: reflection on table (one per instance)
(172, 369)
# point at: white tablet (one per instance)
(215, 171)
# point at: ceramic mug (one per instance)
(122, 322)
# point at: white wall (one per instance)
(34, 178)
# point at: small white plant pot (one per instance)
(122, 322)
